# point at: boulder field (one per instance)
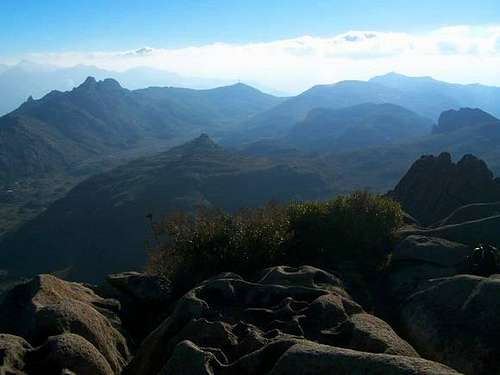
(286, 321)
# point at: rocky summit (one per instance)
(287, 321)
(436, 186)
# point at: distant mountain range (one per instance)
(25, 79)
(424, 96)
(99, 118)
(436, 96)
(378, 168)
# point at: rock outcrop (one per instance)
(308, 358)
(68, 323)
(456, 321)
(471, 212)
(418, 258)
(290, 321)
(485, 230)
(12, 352)
(143, 298)
(435, 186)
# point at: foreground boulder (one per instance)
(13, 349)
(484, 230)
(69, 320)
(435, 186)
(67, 354)
(471, 212)
(308, 358)
(456, 321)
(143, 298)
(418, 258)
(291, 321)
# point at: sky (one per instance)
(288, 44)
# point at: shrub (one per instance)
(212, 241)
(356, 228)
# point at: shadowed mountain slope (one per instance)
(357, 127)
(100, 226)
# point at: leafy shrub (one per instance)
(356, 228)
(196, 247)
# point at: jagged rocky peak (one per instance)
(107, 84)
(464, 118)
(435, 186)
(90, 82)
(110, 84)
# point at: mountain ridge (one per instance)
(101, 117)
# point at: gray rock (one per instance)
(144, 298)
(435, 186)
(419, 258)
(69, 354)
(471, 212)
(226, 323)
(456, 321)
(12, 352)
(485, 230)
(146, 289)
(47, 306)
(308, 358)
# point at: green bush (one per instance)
(357, 228)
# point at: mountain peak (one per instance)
(465, 182)
(110, 84)
(398, 78)
(463, 118)
(203, 143)
(204, 140)
(107, 84)
(90, 82)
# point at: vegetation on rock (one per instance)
(356, 228)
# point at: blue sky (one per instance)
(288, 45)
(61, 25)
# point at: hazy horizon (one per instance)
(257, 43)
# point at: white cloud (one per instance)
(459, 54)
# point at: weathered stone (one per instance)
(12, 352)
(485, 230)
(69, 354)
(418, 258)
(47, 306)
(471, 212)
(226, 320)
(456, 321)
(308, 358)
(144, 298)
